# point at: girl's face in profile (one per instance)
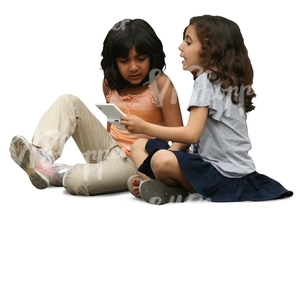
(135, 67)
(190, 49)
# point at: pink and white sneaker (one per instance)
(60, 170)
(34, 161)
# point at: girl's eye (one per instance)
(122, 59)
(141, 58)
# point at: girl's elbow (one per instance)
(193, 138)
(193, 141)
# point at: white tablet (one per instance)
(112, 112)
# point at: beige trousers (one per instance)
(107, 168)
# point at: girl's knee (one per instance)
(138, 145)
(68, 98)
(162, 161)
(138, 152)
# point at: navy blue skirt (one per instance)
(211, 185)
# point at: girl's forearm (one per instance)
(175, 134)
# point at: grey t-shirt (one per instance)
(224, 142)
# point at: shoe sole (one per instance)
(157, 192)
(21, 153)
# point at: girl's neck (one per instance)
(133, 90)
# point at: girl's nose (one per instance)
(133, 66)
(180, 46)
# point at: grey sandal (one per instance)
(157, 192)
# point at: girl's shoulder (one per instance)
(162, 80)
(105, 88)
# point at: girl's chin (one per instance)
(185, 66)
(135, 82)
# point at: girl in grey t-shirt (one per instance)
(218, 166)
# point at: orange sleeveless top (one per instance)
(143, 105)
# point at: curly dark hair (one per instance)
(120, 38)
(226, 56)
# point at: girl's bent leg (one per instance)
(108, 176)
(68, 116)
(165, 167)
(138, 154)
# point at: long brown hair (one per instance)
(226, 56)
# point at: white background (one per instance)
(57, 246)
